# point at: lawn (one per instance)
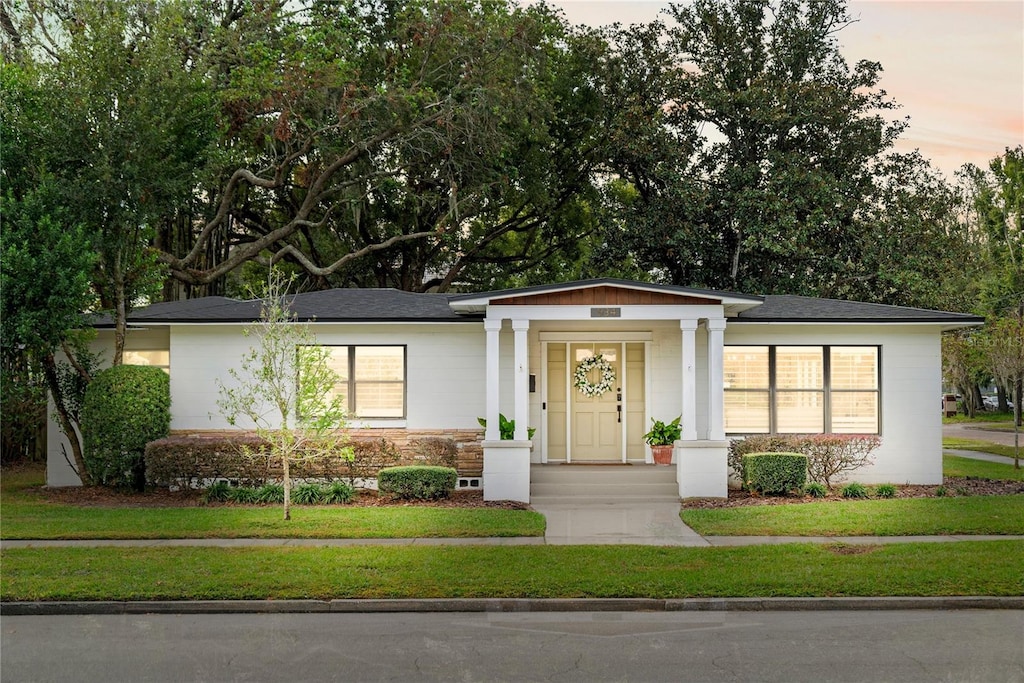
(925, 569)
(895, 517)
(905, 517)
(979, 418)
(986, 447)
(24, 515)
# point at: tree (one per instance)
(1004, 350)
(964, 366)
(787, 135)
(285, 388)
(45, 261)
(125, 129)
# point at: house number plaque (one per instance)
(605, 312)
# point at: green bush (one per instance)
(816, 490)
(885, 491)
(338, 492)
(854, 490)
(125, 407)
(308, 494)
(774, 473)
(270, 493)
(218, 492)
(417, 482)
(243, 495)
(941, 492)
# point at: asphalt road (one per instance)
(905, 646)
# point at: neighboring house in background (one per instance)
(729, 364)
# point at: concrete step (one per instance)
(602, 474)
(572, 484)
(555, 501)
(617, 489)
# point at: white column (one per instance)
(493, 395)
(689, 380)
(521, 384)
(716, 379)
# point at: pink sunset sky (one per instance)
(956, 67)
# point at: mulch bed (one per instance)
(954, 486)
(99, 496)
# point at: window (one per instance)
(159, 359)
(372, 379)
(801, 389)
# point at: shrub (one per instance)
(885, 491)
(759, 443)
(775, 473)
(270, 493)
(218, 492)
(417, 482)
(124, 408)
(941, 492)
(371, 455)
(831, 456)
(308, 494)
(338, 492)
(816, 490)
(243, 495)
(436, 451)
(242, 457)
(854, 490)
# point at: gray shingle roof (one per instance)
(349, 305)
(391, 305)
(790, 308)
(609, 281)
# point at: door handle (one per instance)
(618, 411)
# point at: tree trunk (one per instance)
(287, 488)
(1016, 423)
(50, 372)
(1001, 402)
(120, 317)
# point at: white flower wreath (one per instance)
(581, 378)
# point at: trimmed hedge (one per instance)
(775, 473)
(417, 482)
(246, 459)
(124, 408)
(830, 457)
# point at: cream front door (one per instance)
(596, 420)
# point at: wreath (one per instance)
(581, 378)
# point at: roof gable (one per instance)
(603, 295)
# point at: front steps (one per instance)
(571, 484)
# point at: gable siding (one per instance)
(603, 296)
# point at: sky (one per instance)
(956, 67)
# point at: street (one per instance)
(906, 646)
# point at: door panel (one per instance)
(635, 398)
(596, 430)
(556, 401)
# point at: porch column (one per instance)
(689, 380)
(716, 379)
(493, 390)
(521, 383)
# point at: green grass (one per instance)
(24, 515)
(988, 447)
(955, 466)
(929, 569)
(906, 517)
(979, 417)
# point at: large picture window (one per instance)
(372, 379)
(801, 389)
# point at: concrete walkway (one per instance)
(616, 524)
(979, 455)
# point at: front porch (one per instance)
(664, 347)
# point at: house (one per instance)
(729, 364)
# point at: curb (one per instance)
(499, 605)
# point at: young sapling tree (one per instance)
(285, 388)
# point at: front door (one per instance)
(596, 414)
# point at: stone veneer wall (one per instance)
(467, 441)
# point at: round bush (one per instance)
(775, 473)
(125, 407)
(417, 482)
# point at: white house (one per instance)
(729, 364)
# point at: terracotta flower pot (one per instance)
(662, 455)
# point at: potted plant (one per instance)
(661, 439)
